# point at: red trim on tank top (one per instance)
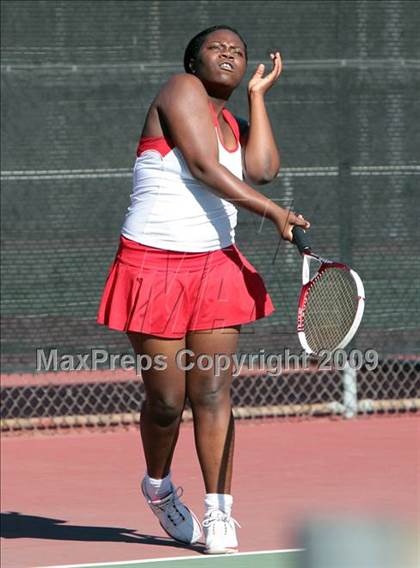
(163, 146)
(231, 120)
(158, 143)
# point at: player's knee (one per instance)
(164, 411)
(211, 398)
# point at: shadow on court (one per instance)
(17, 525)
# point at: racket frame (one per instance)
(307, 282)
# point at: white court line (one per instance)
(174, 558)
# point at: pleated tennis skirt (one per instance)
(169, 293)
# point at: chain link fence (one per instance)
(108, 400)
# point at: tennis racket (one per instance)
(331, 302)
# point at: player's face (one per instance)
(221, 60)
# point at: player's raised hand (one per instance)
(259, 83)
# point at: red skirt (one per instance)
(168, 293)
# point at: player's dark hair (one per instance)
(197, 41)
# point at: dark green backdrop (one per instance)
(77, 79)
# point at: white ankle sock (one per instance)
(158, 488)
(220, 501)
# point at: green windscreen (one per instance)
(77, 80)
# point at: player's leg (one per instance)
(165, 398)
(160, 420)
(209, 395)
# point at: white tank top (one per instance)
(172, 210)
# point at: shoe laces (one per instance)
(170, 506)
(217, 515)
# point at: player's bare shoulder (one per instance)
(181, 87)
(181, 90)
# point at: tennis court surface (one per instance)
(73, 499)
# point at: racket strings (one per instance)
(331, 308)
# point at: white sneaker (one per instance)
(220, 533)
(175, 518)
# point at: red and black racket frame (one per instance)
(300, 239)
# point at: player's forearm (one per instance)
(221, 181)
(262, 159)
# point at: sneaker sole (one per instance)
(220, 550)
(178, 539)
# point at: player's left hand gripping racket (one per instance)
(331, 303)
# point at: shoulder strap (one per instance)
(232, 122)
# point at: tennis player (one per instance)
(179, 281)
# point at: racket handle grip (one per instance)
(301, 239)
